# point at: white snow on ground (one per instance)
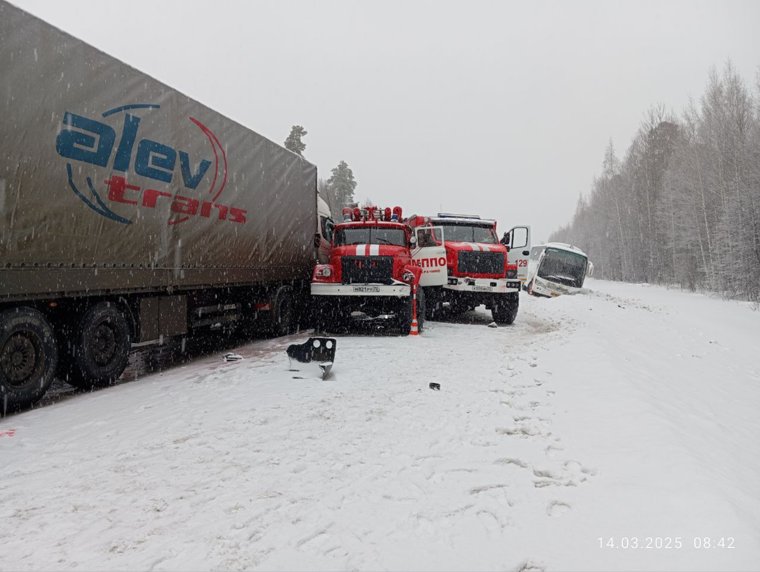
(628, 412)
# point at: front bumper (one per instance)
(483, 285)
(547, 288)
(398, 289)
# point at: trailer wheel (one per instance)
(100, 353)
(504, 312)
(28, 357)
(283, 315)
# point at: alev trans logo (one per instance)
(97, 143)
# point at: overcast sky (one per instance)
(501, 109)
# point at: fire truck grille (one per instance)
(367, 269)
(481, 262)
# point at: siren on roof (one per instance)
(452, 215)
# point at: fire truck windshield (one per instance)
(563, 267)
(369, 235)
(468, 233)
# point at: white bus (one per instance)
(556, 268)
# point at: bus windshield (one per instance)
(564, 267)
(369, 235)
(468, 233)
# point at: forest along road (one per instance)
(616, 429)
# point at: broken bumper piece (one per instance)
(319, 351)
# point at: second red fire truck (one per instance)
(481, 269)
(376, 270)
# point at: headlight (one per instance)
(408, 277)
(512, 273)
(324, 272)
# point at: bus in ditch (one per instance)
(556, 268)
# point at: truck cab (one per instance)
(370, 274)
(480, 268)
(325, 226)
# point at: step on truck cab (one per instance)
(371, 274)
(480, 268)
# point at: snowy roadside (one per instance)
(626, 413)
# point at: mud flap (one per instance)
(319, 350)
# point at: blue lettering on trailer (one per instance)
(91, 141)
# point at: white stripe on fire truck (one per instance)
(361, 250)
(374, 249)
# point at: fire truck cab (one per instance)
(371, 274)
(478, 266)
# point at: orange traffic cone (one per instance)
(415, 330)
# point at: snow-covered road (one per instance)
(617, 429)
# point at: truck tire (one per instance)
(283, 313)
(101, 347)
(405, 315)
(28, 357)
(432, 304)
(504, 311)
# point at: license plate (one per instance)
(482, 288)
(367, 289)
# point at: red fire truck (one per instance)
(480, 268)
(376, 269)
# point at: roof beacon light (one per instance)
(453, 215)
(387, 213)
(346, 214)
(357, 214)
(396, 214)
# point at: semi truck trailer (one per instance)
(131, 213)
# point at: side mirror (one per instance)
(413, 240)
(317, 240)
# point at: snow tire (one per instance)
(101, 348)
(504, 312)
(405, 315)
(28, 357)
(283, 314)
